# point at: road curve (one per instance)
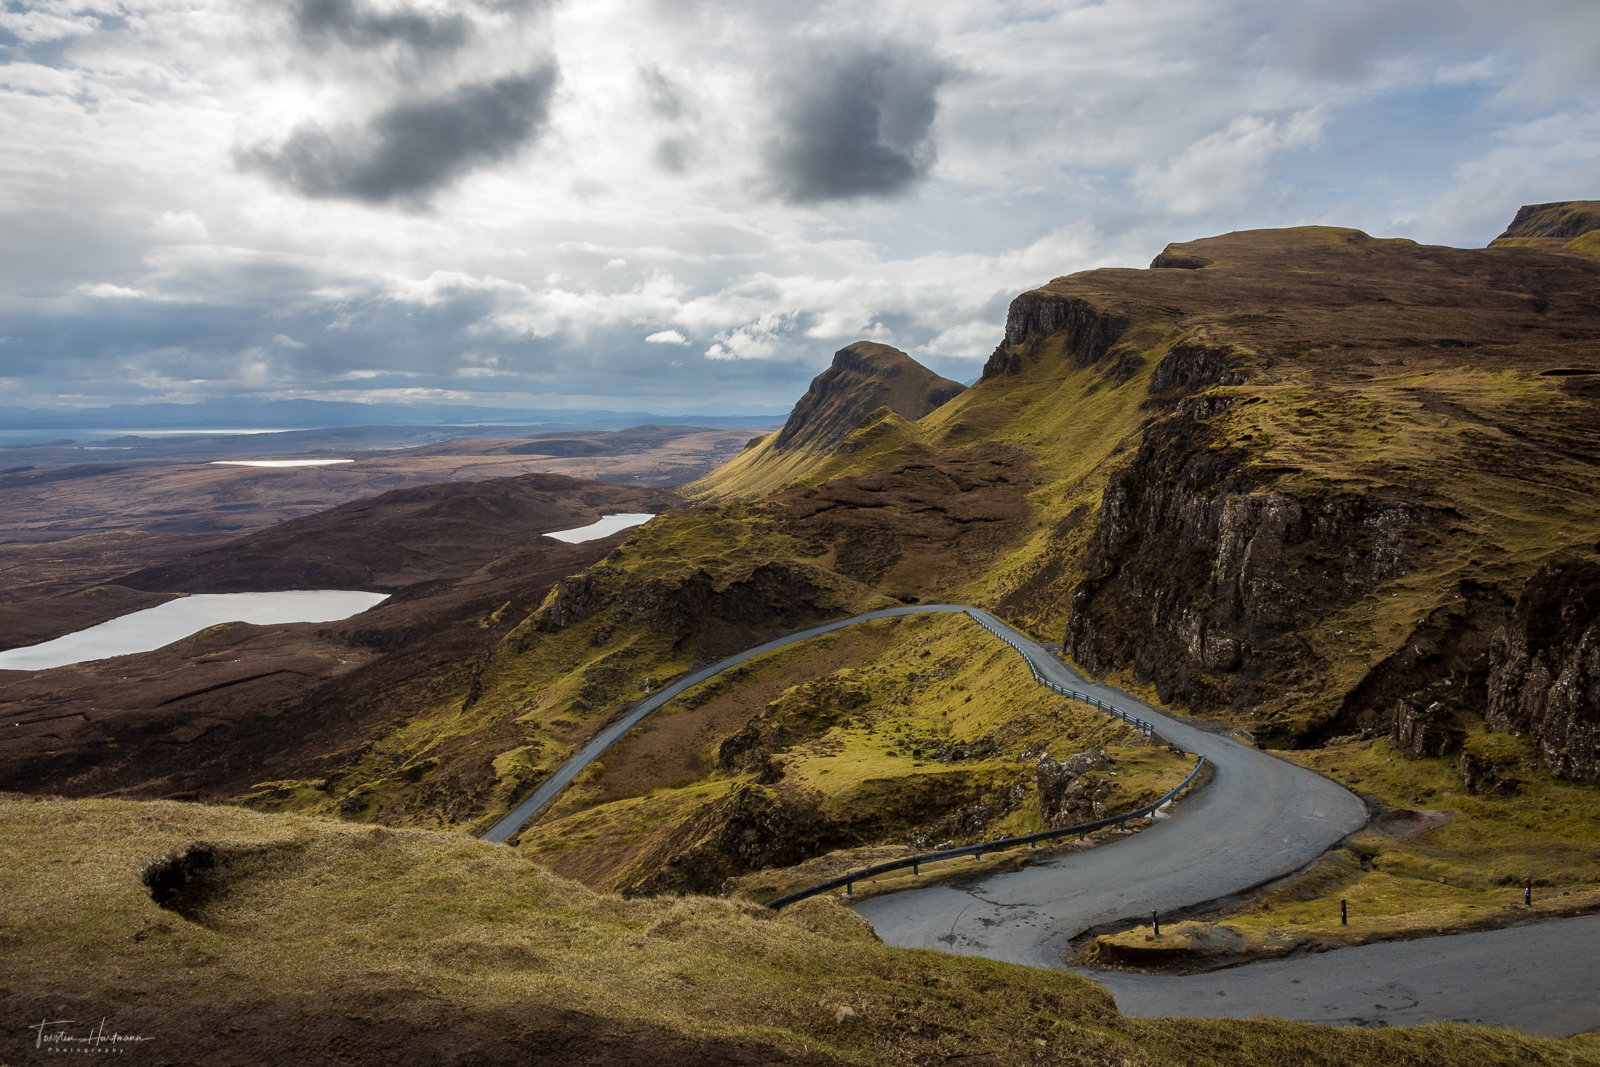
(1259, 819)
(1541, 979)
(548, 790)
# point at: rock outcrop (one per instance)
(864, 379)
(1564, 219)
(1201, 576)
(1066, 794)
(1090, 331)
(1545, 679)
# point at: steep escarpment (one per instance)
(1545, 678)
(865, 377)
(1564, 219)
(1356, 454)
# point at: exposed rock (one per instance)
(1565, 219)
(864, 377)
(1035, 315)
(868, 385)
(1200, 579)
(1545, 678)
(1064, 796)
(1439, 677)
(1483, 775)
(1191, 367)
(1430, 731)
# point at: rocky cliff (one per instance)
(1545, 678)
(864, 378)
(1355, 453)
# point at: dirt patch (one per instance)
(1402, 823)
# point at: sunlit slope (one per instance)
(281, 937)
(864, 378)
(1300, 476)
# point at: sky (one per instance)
(681, 206)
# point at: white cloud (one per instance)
(283, 340)
(1058, 137)
(1226, 166)
(107, 291)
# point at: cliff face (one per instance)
(865, 378)
(1089, 331)
(1545, 679)
(1355, 453)
(1564, 219)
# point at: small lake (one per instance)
(608, 525)
(143, 631)
(278, 462)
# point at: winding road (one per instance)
(1259, 819)
(552, 786)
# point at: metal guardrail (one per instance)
(849, 879)
(1134, 720)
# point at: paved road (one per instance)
(1541, 979)
(522, 813)
(1259, 819)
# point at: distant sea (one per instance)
(21, 437)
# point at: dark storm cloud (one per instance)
(854, 123)
(321, 21)
(412, 149)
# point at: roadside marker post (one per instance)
(1344, 916)
(1156, 921)
(1527, 891)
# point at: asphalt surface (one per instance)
(1259, 819)
(1542, 979)
(523, 813)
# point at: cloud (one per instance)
(1228, 165)
(323, 21)
(854, 122)
(667, 337)
(283, 340)
(107, 291)
(414, 149)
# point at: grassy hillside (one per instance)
(866, 378)
(286, 939)
(926, 734)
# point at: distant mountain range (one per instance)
(248, 413)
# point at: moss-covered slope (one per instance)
(865, 378)
(284, 939)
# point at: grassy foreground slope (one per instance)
(290, 939)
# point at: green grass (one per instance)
(866, 774)
(302, 907)
(1465, 874)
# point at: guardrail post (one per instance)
(916, 870)
(849, 889)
